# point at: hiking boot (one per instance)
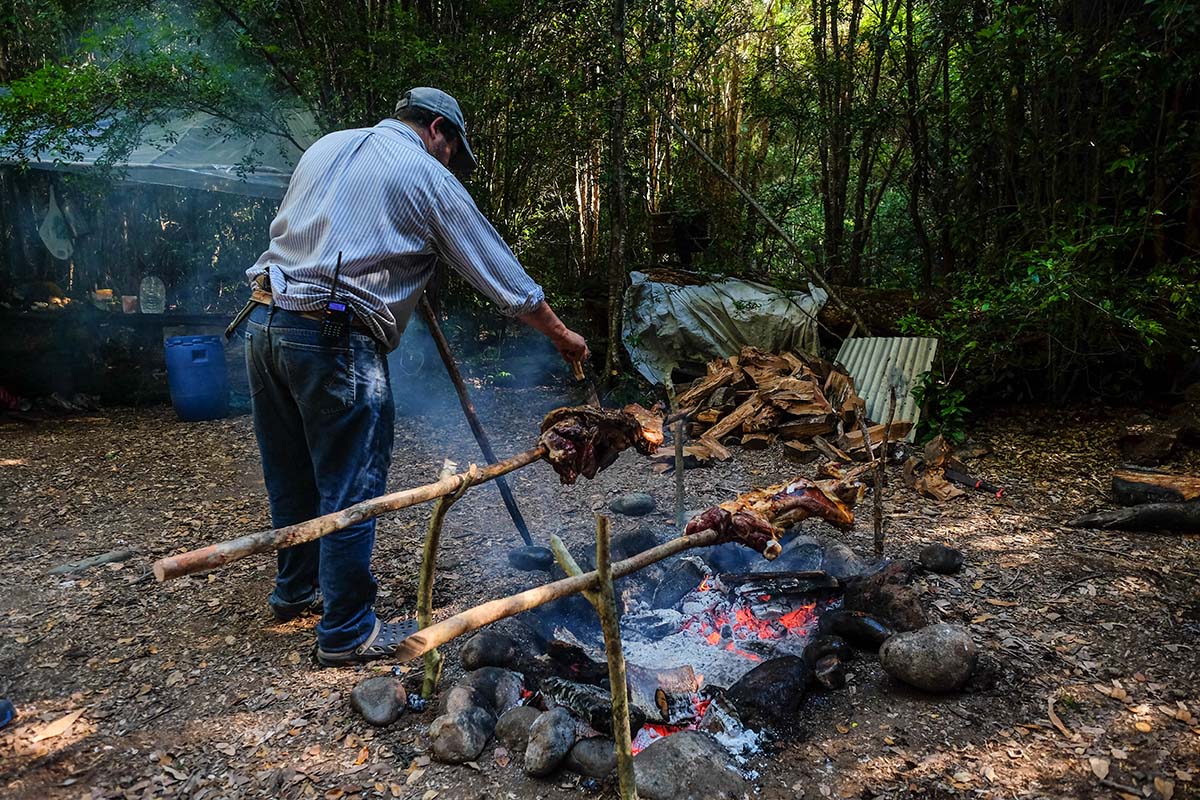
(286, 612)
(384, 641)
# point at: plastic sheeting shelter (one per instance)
(196, 152)
(667, 326)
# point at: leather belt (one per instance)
(260, 294)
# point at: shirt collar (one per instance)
(399, 127)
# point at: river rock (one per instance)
(634, 504)
(595, 757)
(941, 559)
(531, 558)
(381, 700)
(513, 728)
(629, 543)
(550, 739)
(840, 561)
(488, 649)
(937, 658)
(770, 694)
(498, 689)
(801, 554)
(688, 766)
(460, 737)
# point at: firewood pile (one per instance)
(754, 399)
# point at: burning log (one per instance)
(590, 703)
(584, 440)
(757, 518)
(779, 583)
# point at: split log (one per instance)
(472, 619)
(222, 553)
(1147, 443)
(1169, 517)
(774, 583)
(1131, 487)
(733, 422)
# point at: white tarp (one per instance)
(667, 326)
(197, 151)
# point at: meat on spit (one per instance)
(582, 440)
(757, 518)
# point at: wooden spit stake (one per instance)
(222, 553)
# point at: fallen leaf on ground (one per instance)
(1099, 767)
(1144, 727)
(1165, 787)
(58, 727)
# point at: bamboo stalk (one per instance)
(494, 610)
(222, 553)
(468, 407)
(433, 537)
(606, 609)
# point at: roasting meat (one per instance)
(584, 439)
(758, 517)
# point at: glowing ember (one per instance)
(653, 731)
(732, 622)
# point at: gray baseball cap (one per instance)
(443, 105)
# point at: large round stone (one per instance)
(687, 766)
(550, 739)
(488, 649)
(460, 737)
(513, 728)
(595, 757)
(941, 559)
(381, 699)
(634, 504)
(936, 658)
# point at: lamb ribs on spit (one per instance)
(582, 440)
(757, 518)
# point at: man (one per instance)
(381, 202)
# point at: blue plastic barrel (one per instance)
(197, 376)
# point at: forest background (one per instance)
(1033, 167)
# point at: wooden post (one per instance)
(222, 553)
(433, 536)
(606, 608)
(879, 464)
(468, 407)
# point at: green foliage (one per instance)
(943, 412)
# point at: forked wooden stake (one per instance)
(603, 599)
(433, 537)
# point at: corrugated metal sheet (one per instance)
(877, 362)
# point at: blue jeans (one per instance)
(324, 417)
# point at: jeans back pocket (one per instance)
(321, 376)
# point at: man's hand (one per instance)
(570, 345)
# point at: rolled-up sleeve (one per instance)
(471, 246)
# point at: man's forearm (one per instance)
(543, 320)
(569, 344)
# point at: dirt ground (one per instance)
(127, 688)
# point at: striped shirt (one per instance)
(392, 210)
